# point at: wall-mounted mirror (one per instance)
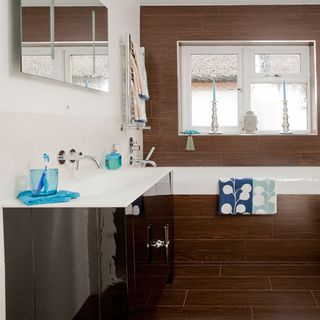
(66, 40)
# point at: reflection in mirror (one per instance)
(66, 40)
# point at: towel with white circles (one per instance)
(243, 196)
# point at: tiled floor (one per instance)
(234, 292)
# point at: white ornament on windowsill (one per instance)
(250, 123)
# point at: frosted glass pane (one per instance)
(224, 70)
(278, 63)
(82, 71)
(266, 103)
(38, 65)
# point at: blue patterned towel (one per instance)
(61, 196)
(247, 196)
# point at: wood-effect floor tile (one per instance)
(270, 270)
(295, 283)
(179, 313)
(221, 283)
(249, 298)
(286, 313)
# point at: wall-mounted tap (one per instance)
(133, 145)
(75, 157)
(146, 162)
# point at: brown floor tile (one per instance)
(249, 298)
(179, 313)
(270, 270)
(295, 283)
(316, 295)
(221, 283)
(167, 298)
(180, 270)
(286, 313)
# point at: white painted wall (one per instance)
(34, 116)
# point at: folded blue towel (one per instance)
(61, 196)
(247, 196)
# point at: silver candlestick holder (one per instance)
(214, 122)
(285, 119)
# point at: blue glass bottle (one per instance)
(113, 160)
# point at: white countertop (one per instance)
(104, 188)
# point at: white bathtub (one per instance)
(204, 180)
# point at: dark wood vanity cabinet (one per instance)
(80, 263)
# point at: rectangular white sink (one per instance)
(104, 188)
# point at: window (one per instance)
(248, 76)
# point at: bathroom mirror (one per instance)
(66, 40)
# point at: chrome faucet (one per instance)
(75, 157)
(146, 162)
(89, 157)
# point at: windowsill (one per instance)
(273, 134)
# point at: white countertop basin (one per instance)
(104, 188)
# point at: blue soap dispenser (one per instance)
(113, 160)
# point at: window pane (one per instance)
(83, 73)
(278, 63)
(266, 103)
(224, 70)
(38, 65)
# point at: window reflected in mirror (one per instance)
(66, 40)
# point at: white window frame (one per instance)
(246, 51)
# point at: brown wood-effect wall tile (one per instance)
(235, 35)
(256, 10)
(283, 250)
(223, 23)
(298, 217)
(165, 23)
(165, 108)
(179, 10)
(209, 250)
(309, 9)
(226, 144)
(187, 158)
(168, 127)
(161, 40)
(260, 159)
(310, 159)
(289, 144)
(154, 74)
(195, 205)
(223, 228)
(155, 128)
(166, 143)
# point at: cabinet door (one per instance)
(20, 302)
(65, 264)
(153, 245)
(51, 264)
(112, 248)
